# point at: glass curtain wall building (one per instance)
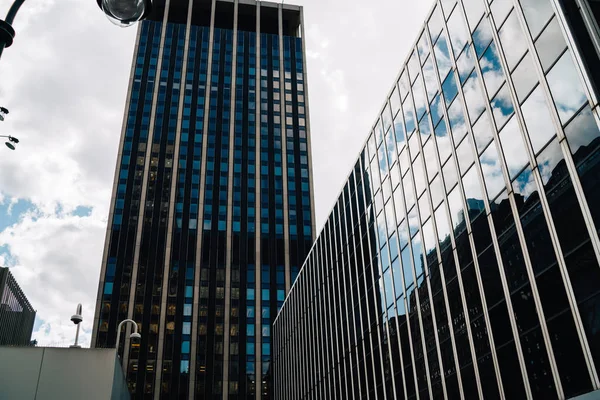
(212, 211)
(17, 316)
(461, 259)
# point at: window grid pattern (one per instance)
(452, 264)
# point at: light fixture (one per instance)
(11, 141)
(125, 13)
(3, 112)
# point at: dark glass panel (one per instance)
(492, 285)
(583, 136)
(538, 365)
(510, 370)
(489, 382)
(569, 355)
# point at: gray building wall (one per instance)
(54, 373)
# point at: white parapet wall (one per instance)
(44, 373)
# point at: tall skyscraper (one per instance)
(17, 316)
(462, 258)
(212, 210)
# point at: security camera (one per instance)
(77, 318)
(135, 337)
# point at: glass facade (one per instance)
(17, 316)
(212, 209)
(461, 259)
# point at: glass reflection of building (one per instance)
(212, 209)
(461, 259)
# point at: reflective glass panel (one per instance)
(420, 180)
(474, 10)
(492, 171)
(423, 48)
(581, 132)
(386, 117)
(513, 147)
(538, 120)
(409, 118)
(473, 97)
(443, 141)
(473, 193)
(537, 13)
(450, 175)
(413, 146)
(430, 159)
(482, 37)
(436, 109)
(482, 131)
(409, 192)
(424, 207)
(425, 128)
(420, 100)
(429, 237)
(450, 89)
(458, 125)
(491, 70)
(413, 222)
(512, 40)
(413, 67)
(430, 79)
(403, 85)
(465, 64)
(437, 191)
(464, 154)
(404, 161)
(524, 77)
(502, 107)
(443, 228)
(395, 101)
(399, 132)
(447, 6)
(566, 87)
(457, 28)
(550, 44)
(500, 9)
(524, 186)
(442, 56)
(456, 210)
(435, 24)
(399, 203)
(371, 146)
(548, 160)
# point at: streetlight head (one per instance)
(135, 337)
(125, 13)
(9, 145)
(3, 112)
(13, 139)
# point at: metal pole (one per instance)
(7, 33)
(135, 330)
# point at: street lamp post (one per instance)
(120, 12)
(7, 33)
(134, 335)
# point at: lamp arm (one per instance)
(12, 12)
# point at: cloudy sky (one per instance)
(64, 81)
